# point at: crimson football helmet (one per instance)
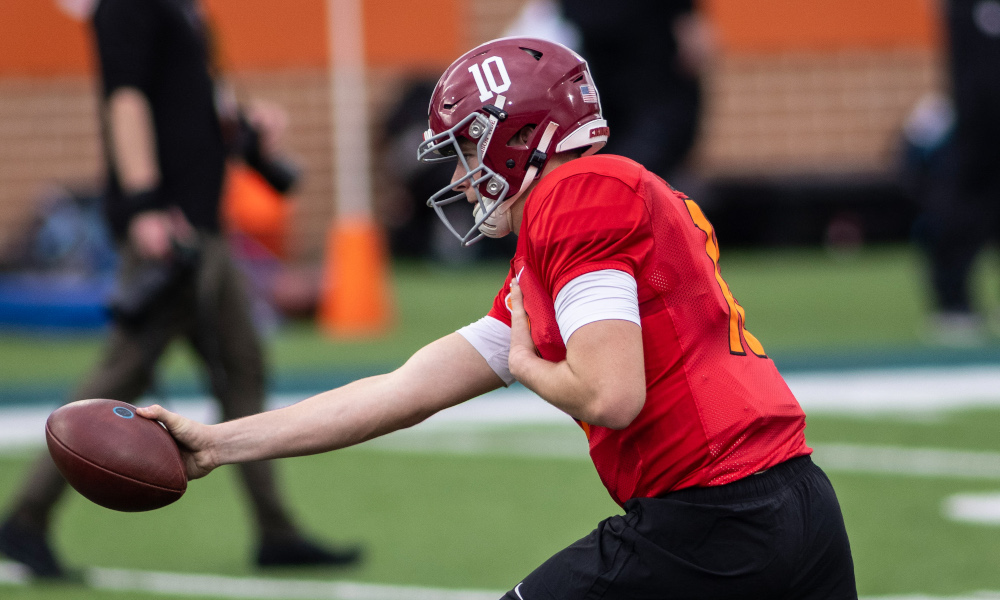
(487, 97)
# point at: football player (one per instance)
(633, 333)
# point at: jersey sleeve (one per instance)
(501, 303)
(125, 31)
(588, 222)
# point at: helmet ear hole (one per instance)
(520, 139)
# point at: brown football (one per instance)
(114, 457)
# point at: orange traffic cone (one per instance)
(354, 297)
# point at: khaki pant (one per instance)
(211, 311)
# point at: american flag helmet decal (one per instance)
(589, 94)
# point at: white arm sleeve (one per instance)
(597, 296)
(491, 338)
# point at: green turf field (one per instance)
(481, 519)
(800, 302)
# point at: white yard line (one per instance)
(465, 429)
(13, 574)
(221, 586)
(833, 458)
(915, 462)
(260, 588)
(893, 392)
(979, 508)
(982, 595)
(484, 428)
(900, 391)
(489, 426)
(492, 425)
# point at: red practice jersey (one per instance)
(716, 408)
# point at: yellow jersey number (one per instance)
(737, 317)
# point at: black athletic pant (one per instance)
(211, 311)
(777, 535)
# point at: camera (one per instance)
(280, 172)
(132, 297)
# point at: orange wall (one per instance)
(256, 35)
(415, 33)
(36, 39)
(748, 26)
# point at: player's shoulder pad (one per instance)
(607, 165)
(587, 174)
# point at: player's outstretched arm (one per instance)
(602, 381)
(442, 374)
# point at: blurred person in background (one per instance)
(964, 214)
(648, 58)
(166, 138)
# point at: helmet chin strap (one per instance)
(501, 221)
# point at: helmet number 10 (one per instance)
(494, 63)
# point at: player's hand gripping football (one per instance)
(192, 437)
(522, 347)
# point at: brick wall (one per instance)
(811, 113)
(766, 114)
(48, 135)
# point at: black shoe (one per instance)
(29, 547)
(300, 552)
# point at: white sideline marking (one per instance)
(482, 427)
(188, 584)
(917, 462)
(569, 443)
(845, 458)
(259, 587)
(893, 392)
(14, 573)
(982, 595)
(890, 391)
(983, 509)
(466, 429)
(23, 427)
(903, 390)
